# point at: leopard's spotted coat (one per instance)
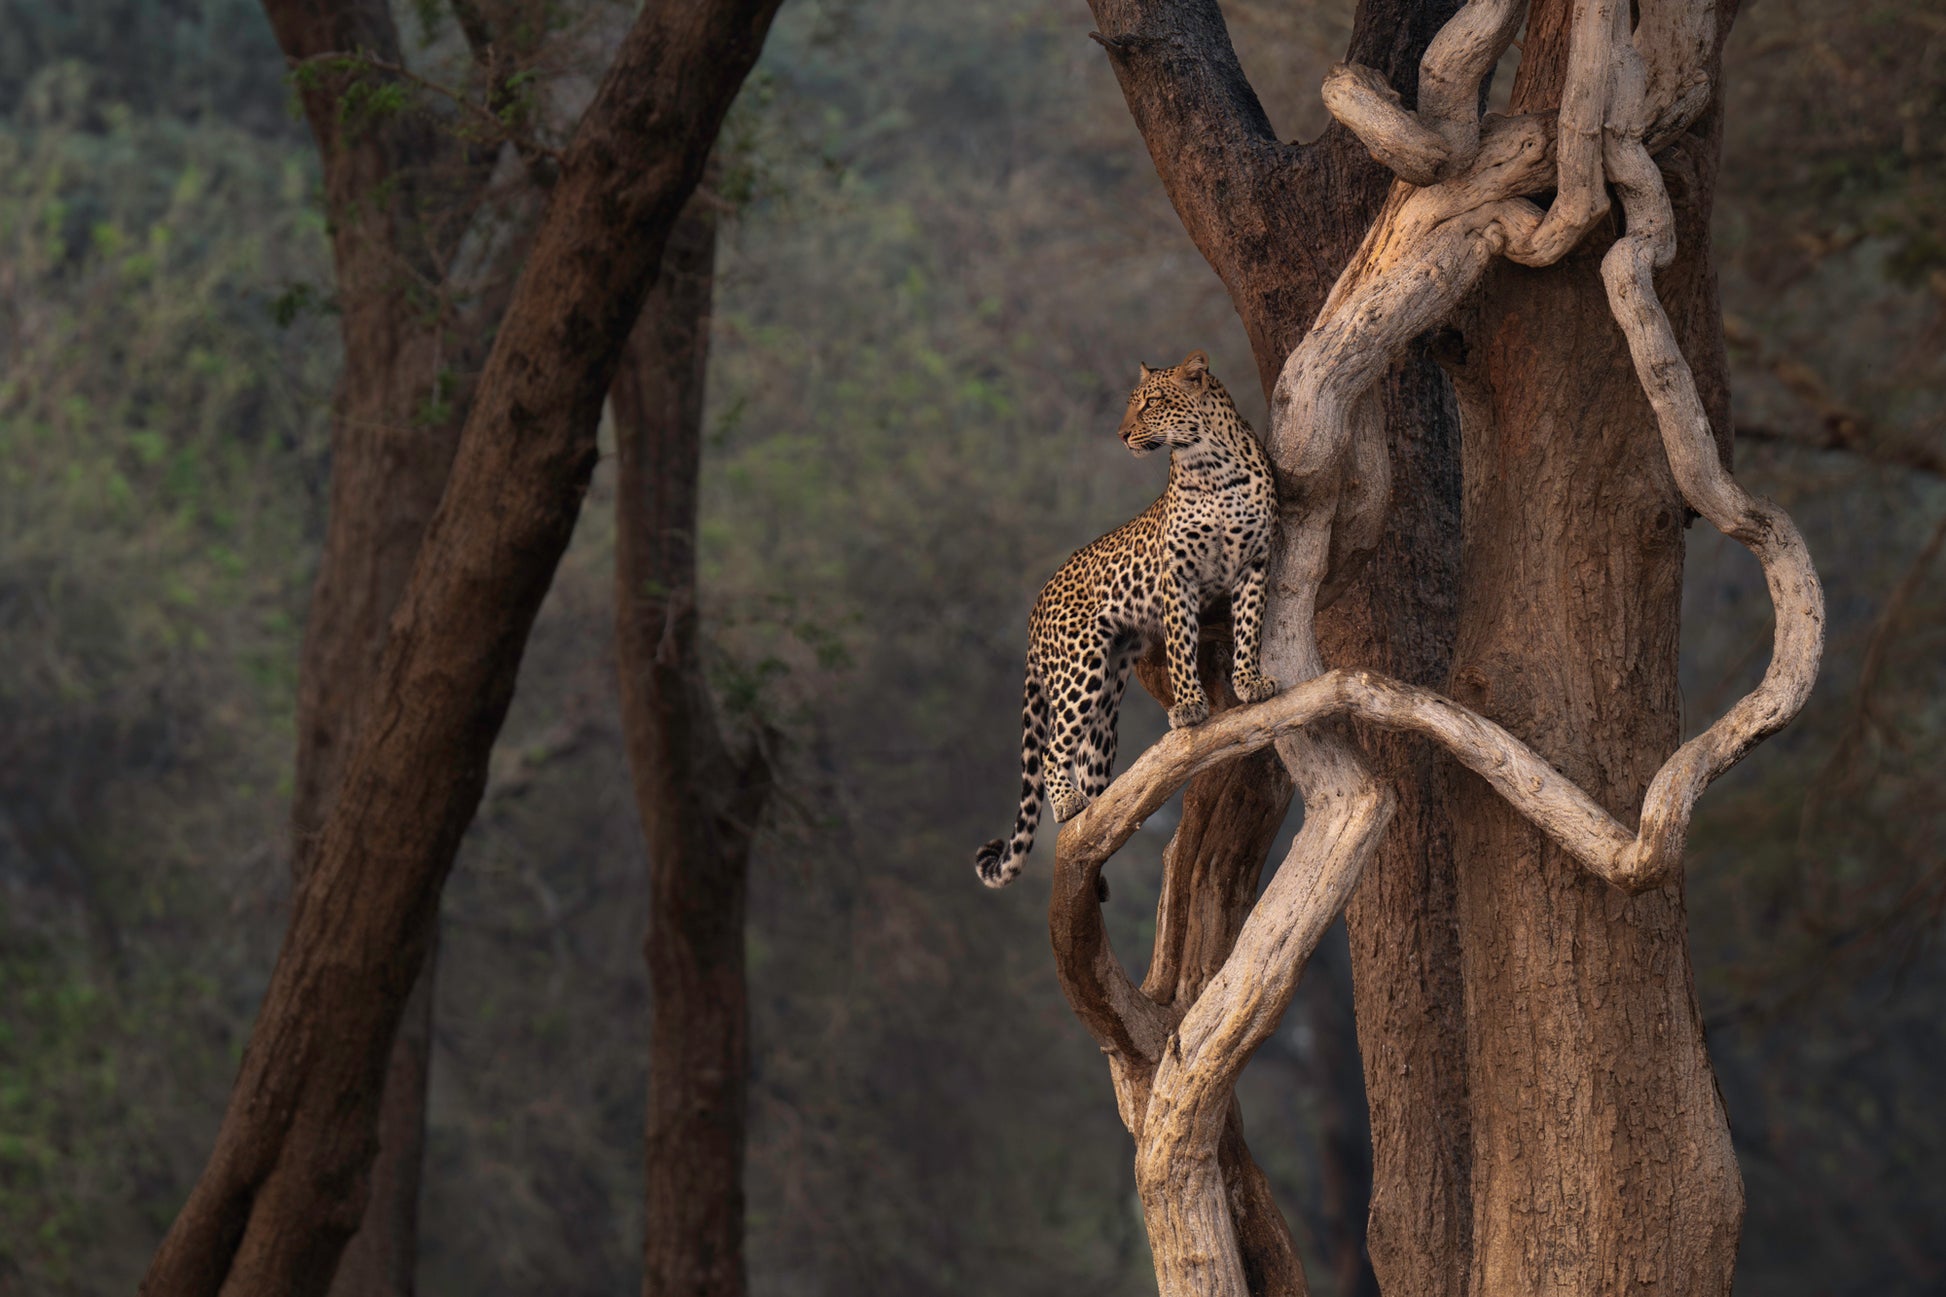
(1207, 536)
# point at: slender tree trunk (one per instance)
(288, 1180)
(1593, 1106)
(699, 802)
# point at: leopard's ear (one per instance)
(1195, 371)
(1147, 373)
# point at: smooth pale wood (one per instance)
(1466, 50)
(1362, 99)
(1553, 802)
(1761, 526)
(1440, 140)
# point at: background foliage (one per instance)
(950, 253)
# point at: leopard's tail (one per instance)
(1000, 860)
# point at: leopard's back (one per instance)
(1111, 586)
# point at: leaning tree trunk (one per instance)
(400, 192)
(699, 801)
(387, 470)
(1461, 204)
(286, 1184)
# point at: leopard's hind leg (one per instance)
(1097, 763)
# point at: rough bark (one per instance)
(287, 1182)
(699, 801)
(1278, 222)
(1399, 618)
(1594, 1106)
(389, 462)
(1579, 1002)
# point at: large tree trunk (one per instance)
(699, 802)
(287, 1182)
(1278, 223)
(1593, 1106)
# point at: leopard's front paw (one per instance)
(1253, 687)
(1190, 711)
(1067, 804)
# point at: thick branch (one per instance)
(1366, 103)
(1423, 255)
(1456, 64)
(1575, 821)
(1440, 140)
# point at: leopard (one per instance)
(1206, 538)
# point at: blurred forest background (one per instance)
(948, 253)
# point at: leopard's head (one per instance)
(1167, 407)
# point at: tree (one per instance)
(286, 1184)
(401, 191)
(1587, 1093)
(699, 799)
